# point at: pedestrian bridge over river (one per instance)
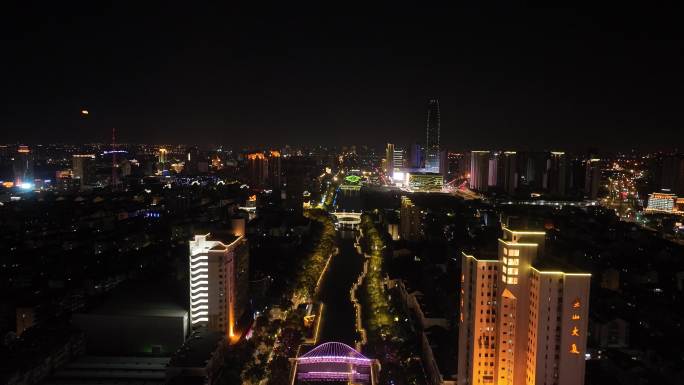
(347, 220)
(336, 362)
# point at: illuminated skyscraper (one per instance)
(523, 317)
(23, 166)
(479, 170)
(398, 158)
(162, 155)
(394, 159)
(162, 159)
(219, 270)
(432, 131)
(493, 169)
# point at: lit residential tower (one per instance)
(389, 159)
(218, 266)
(523, 317)
(398, 158)
(479, 170)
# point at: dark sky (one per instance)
(506, 76)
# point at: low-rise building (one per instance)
(199, 360)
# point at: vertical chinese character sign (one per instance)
(575, 331)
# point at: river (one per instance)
(338, 322)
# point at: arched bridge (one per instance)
(335, 361)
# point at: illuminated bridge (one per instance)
(347, 219)
(334, 361)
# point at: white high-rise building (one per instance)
(218, 281)
(398, 158)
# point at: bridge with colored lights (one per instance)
(334, 361)
(347, 220)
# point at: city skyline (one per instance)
(297, 194)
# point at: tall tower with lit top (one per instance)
(432, 134)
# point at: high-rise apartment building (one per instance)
(162, 155)
(162, 159)
(394, 159)
(508, 172)
(592, 178)
(493, 169)
(477, 330)
(219, 279)
(416, 156)
(409, 220)
(555, 176)
(398, 158)
(479, 170)
(274, 169)
(83, 168)
(432, 131)
(455, 162)
(672, 174)
(523, 317)
(389, 159)
(192, 161)
(296, 170)
(531, 169)
(257, 169)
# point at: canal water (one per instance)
(338, 322)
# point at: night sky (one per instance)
(506, 77)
